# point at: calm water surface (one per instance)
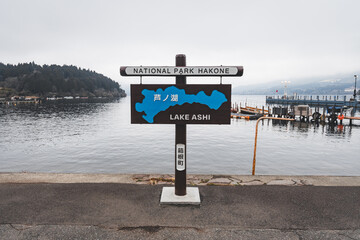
(98, 138)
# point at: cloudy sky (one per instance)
(274, 40)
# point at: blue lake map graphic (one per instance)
(161, 100)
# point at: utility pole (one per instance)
(355, 76)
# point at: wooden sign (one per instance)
(183, 71)
(180, 104)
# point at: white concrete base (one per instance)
(192, 196)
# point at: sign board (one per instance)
(180, 104)
(180, 157)
(182, 71)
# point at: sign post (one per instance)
(180, 140)
(181, 104)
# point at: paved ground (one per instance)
(132, 211)
(192, 179)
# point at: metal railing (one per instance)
(256, 133)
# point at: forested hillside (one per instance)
(55, 80)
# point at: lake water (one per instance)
(98, 138)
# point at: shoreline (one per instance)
(168, 179)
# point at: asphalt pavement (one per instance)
(132, 211)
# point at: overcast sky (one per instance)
(274, 40)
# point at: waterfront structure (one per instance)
(306, 100)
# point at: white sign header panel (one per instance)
(182, 71)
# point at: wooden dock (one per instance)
(314, 102)
(14, 103)
(330, 114)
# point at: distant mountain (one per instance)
(338, 85)
(55, 80)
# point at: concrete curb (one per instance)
(192, 179)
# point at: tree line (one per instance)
(55, 80)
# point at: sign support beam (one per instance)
(180, 138)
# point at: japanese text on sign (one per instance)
(173, 98)
(180, 157)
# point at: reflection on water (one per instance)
(98, 137)
(31, 123)
(337, 131)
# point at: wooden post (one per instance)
(180, 138)
(352, 114)
(307, 114)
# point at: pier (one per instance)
(324, 101)
(333, 112)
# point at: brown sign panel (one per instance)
(180, 104)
